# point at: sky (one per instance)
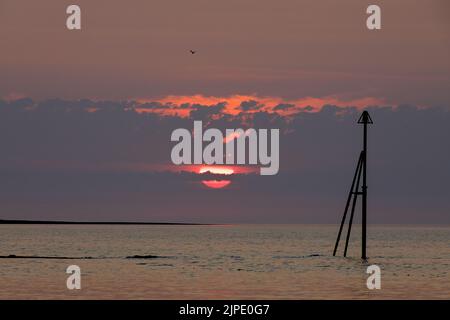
(86, 116)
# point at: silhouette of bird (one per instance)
(192, 51)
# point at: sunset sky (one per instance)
(86, 116)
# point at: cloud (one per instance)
(235, 104)
(283, 106)
(201, 112)
(106, 160)
(250, 105)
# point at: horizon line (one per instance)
(62, 222)
(7, 221)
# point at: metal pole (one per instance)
(361, 169)
(364, 195)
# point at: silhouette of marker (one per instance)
(361, 169)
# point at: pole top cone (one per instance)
(365, 118)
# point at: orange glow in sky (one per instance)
(266, 104)
(216, 170)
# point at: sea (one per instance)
(222, 262)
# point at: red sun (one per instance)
(216, 184)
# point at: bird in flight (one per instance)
(192, 51)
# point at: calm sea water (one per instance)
(222, 262)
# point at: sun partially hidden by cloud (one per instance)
(217, 170)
